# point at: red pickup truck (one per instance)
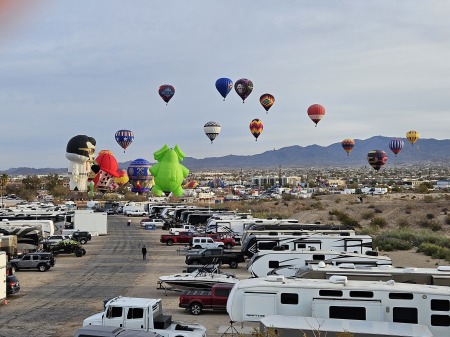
(178, 237)
(228, 242)
(197, 300)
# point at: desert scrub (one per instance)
(435, 251)
(378, 221)
(318, 205)
(367, 215)
(344, 218)
(428, 199)
(402, 223)
(378, 210)
(433, 225)
(408, 238)
(430, 216)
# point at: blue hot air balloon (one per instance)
(396, 145)
(124, 138)
(224, 86)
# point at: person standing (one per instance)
(144, 253)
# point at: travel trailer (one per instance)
(47, 227)
(288, 262)
(338, 298)
(340, 241)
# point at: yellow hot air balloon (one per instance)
(412, 136)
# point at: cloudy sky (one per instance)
(94, 67)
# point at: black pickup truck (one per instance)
(214, 256)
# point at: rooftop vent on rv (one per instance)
(443, 268)
(321, 264)
(338, 279)
(275, 278)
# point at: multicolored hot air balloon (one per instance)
(412, 136)
(316, 113)
(140, 176)
(348, 144)
(267, 101)
(124, 138)
(396, 145)
(166, 92)
(256, 127)
(224, 86)
(244, 88)
(376, 159)
(212, 130)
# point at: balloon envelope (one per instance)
(376, 159)
(316, 113)
(124, 138)
(348, 144)
(212, 130)
(140, 176)
(256, 127)
(244, 88)
(412, 136)
(267, 101)
(224, 86)
(166, 91)
(396, 145)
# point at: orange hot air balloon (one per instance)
(316, 112)
(256, 127)
(267, 101)
(348, 144)
(376, 159)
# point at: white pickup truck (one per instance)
(143, 314)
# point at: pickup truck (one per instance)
(197, 300)
(145, 314)
(213, 256)
(178, 237)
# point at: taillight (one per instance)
(12, 284)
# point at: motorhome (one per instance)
(28, 238)
(338, 298)
(288, 262)
(338, 241)
(47, 227)
(433, 276)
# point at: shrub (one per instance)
(318, 205)
(378, 221)
(402, 223)
(430, 216)
(367, 215)
(371, 206)
(408, 211)
(344, 218)
(435, 251)
(433, 225)
(447, 220)
(337, 201)
(428, 199)
(444, 210)
(377, 210)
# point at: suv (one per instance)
(41, 261)
(204, 242)
(81, 236)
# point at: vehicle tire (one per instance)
(14, 268)
(195, 308)
(233, 264)
(83, 251)
(78, 253)
(197, 247)
(83, 241)
(42, 267)
(228, 246)
(169, 242)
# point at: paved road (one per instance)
(54, 303)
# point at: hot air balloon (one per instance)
(224, 86)
(256, 127)
(166, 92)
(267, 101)
(244, 88)
(140, 176)
(376, 159)
(80, 153)
(316, 112)
(108, 170)
(212, 130)
(124, 138)
(396, 145)
(348, 144)
(412, 136)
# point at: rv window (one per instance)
(301, 245)
(440, 305)
(289, 298)
(440, 320)
(114, 312)
(367, 294)
(358, 313)
(404, 315)
(401, 296)
(134, 313)
(274, 264)
(266, 245)
(334, 293)
(319, 257)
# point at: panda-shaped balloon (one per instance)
(80, 153)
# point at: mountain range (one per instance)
(424, 151)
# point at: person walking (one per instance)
(144, 253)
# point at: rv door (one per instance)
(259, 305)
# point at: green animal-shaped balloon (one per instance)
(168, 173)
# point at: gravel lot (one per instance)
(54, 303)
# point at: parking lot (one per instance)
(54, 303)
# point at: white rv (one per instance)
(338, 298)
(2, 275)
(288, 262)
(47, 227)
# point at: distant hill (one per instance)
(424, 151)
